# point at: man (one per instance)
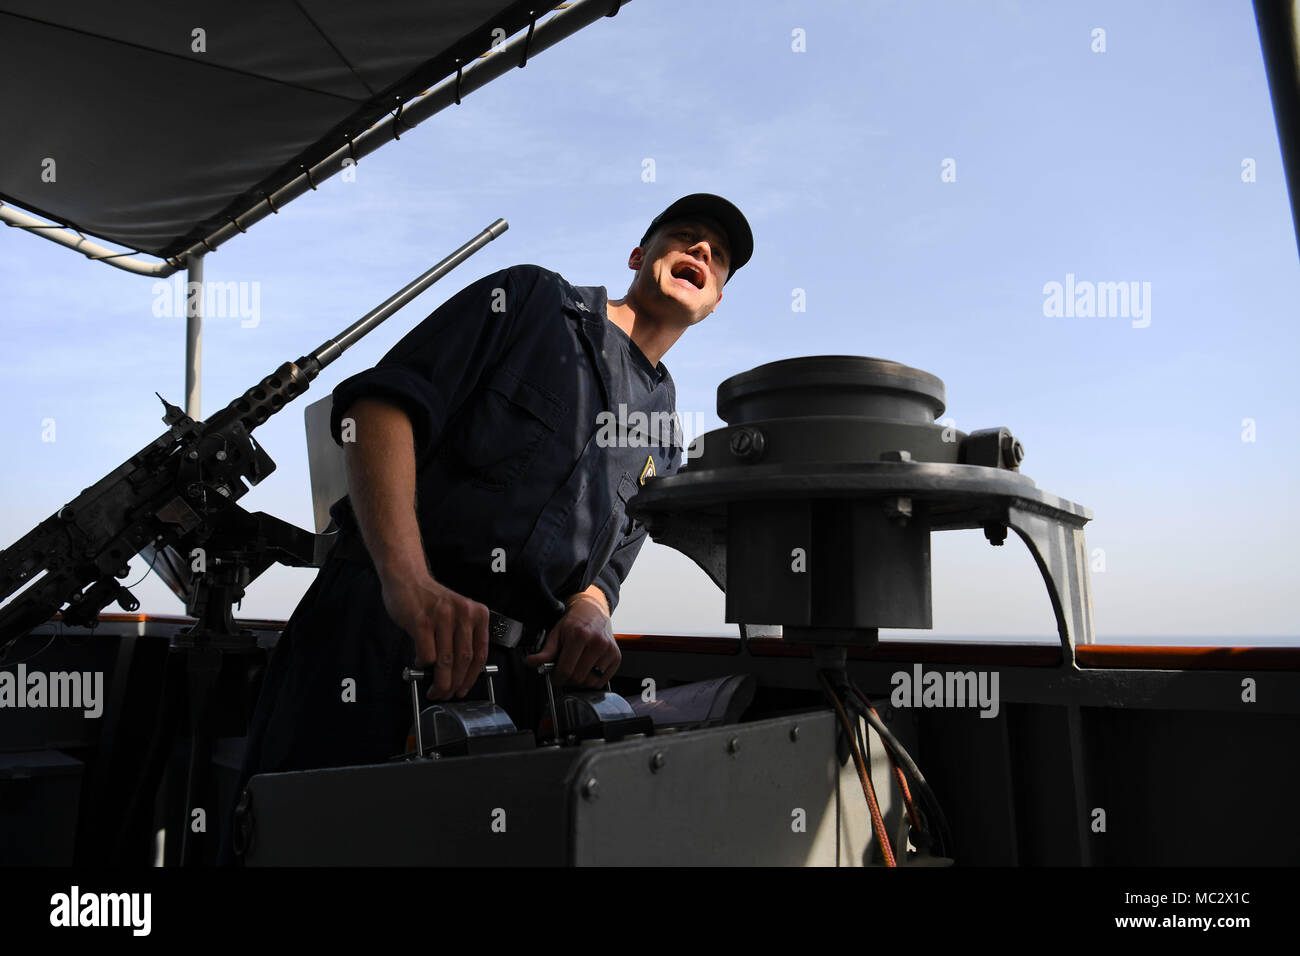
(484, 473)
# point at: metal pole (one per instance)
(412, 676)
(449, 92)
(11, 216)
(1277, 21)
(194, 293)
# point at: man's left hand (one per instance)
(583, 641)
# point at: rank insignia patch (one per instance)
(649, 470)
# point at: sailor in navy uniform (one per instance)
(535, 410)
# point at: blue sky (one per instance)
(1115, 166)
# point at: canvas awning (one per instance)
(168, 128)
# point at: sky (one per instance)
(917, 176)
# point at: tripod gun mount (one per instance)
(176, 498)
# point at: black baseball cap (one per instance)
(731, 219)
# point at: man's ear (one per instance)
(635, 259)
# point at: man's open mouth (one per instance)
(691, 273)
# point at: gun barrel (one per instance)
(291, 379)
(333, 348)
(157, 497)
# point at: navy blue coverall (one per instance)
(524, 465)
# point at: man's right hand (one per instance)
(450, 631)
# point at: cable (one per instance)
(909, 805)
(900, 752)
(868, 789)
(864, 744)
(933, 811)
(156, 551)
(907, 794)
(908, 802)
(4, 651)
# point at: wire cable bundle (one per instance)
(933, 832)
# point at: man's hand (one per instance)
(584, 642)
(449, 630)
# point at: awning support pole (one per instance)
(194, 294)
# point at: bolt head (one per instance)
(733, 745)
(747, 444)
(794, 734)
(996, 533)
(657, 761)
(899, 506)
(591, 789)
(899, 509)
(1012, 451)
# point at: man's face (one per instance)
(682, 268)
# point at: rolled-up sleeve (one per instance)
(435, 367)
(615, 572)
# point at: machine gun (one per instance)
(179, 494)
